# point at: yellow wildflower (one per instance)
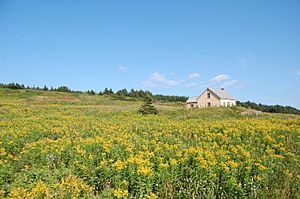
(173, 162)
(125, 182)
(202, 162)
(232, 164)
(119, 165)
(268, 138)
(152, 196)
(40, 190)
(144, 171)
(260, 166)
(119, 193)
(163, 166)
(257, 178)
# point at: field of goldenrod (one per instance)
(72, 150)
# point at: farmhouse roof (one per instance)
(221, 93)
(192, 100)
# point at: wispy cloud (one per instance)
(122, 68)
(229, 84)
(193, 75)
(219, 78)
(158, 79)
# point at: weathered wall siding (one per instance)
(203, 100)
(189, 105)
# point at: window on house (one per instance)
(208, 104)
(228, 104)
(192, 105)
(208, 95)
(224, 104)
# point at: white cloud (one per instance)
(193, 75)
(229, 83)
(219, 78)
(122, 68)
(218, 81)
(158, 79)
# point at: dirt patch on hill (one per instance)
(56, 99)
(251, 112)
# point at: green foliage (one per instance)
(269, 108)
(122, 92)
(91, 92)
(45, 88)
(12, 86)
(148, 107)
(170, 98)
(108, 91)
(63, 89)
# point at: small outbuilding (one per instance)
(211, 98)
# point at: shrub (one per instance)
(148, 107)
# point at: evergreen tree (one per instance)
(45, 88)
(133, 93)
(63, 89)
(108, 91)
(92, 92)
(111, 91)
(148, 107)
(122, 92)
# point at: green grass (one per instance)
(174, 110)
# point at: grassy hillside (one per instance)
(36, 97)
(62, 145)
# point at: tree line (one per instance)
(107, 91)
(269, 108)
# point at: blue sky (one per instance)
(252, 48)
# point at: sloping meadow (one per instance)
(72, 151)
